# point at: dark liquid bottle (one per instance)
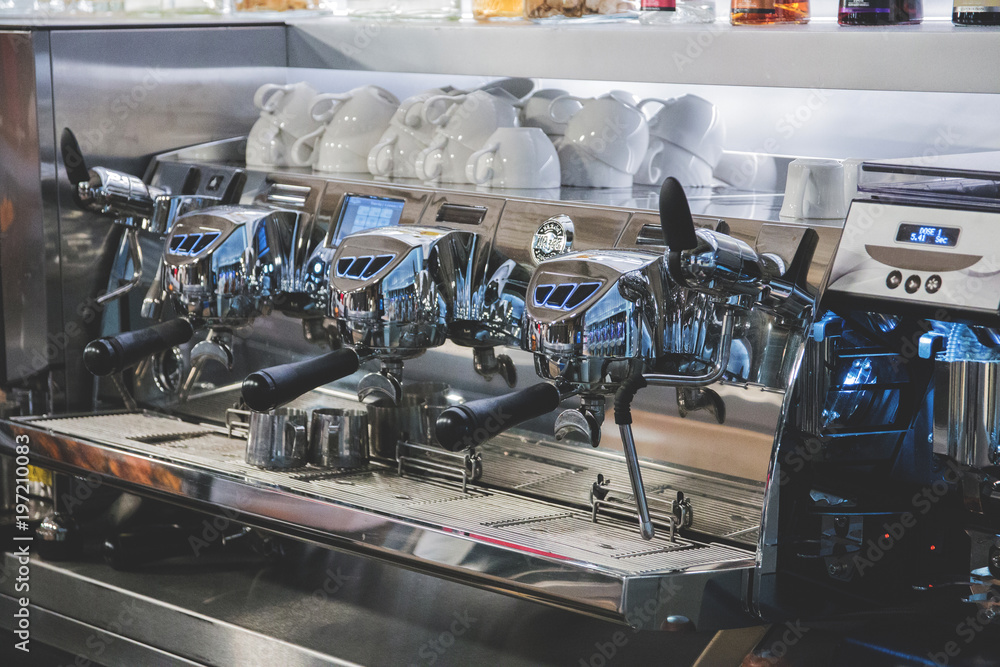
(976, 12)
(763, 12)
(880, 12)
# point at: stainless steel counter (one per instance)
(314, 607)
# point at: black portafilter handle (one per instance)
(676, 222)
(472, 423)
(267, 389)
(113, 354)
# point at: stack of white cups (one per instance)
(464, 123)
(352, 123)
(605, 139)
(395, 154)
(686, 141)
(284, 119)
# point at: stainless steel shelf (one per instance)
(934, 56)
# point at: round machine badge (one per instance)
(553, 237)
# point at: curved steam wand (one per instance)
(623, 418)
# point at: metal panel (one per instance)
(795, 56)
(128, 94)
(25, 146)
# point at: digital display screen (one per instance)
(359, 213)
(927, 234)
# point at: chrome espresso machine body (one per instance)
(713, 337)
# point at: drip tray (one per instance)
(548, 551)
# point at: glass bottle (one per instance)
(372, 9)
(880, 12)
(655, 12)
(762, 12)
(487, 10)
(976, 12)
(429, 9)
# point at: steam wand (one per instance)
(623, 417)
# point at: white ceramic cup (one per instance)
(290, 105)
(443, 161)
(665, 159)
(691, 122)
(606, 127)
(814, 190)
(470, 118)
(355, 121)
(267, 145)
(579, 168)
(748, 171)
(535, 112)
(515, 157)
(396, 152)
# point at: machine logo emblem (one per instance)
(554, 237)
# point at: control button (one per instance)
(933, 284)
(894, 279)
(912, 284)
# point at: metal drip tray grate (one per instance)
(499, 517)
(501, 539)
(723, 507)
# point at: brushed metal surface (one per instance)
(492, 539)
(25, 180)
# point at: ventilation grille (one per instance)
(363, 267)
(192, 244)
(565, 296)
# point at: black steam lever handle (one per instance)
(797, 272)
(675, 217)
(472, 423)
(267, 389)
(112, 354)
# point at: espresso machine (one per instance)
(711, 335)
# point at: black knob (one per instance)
(675, 217)
(472, 423)
(112, 354)
(271, 387)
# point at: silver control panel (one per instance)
(925, 256)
